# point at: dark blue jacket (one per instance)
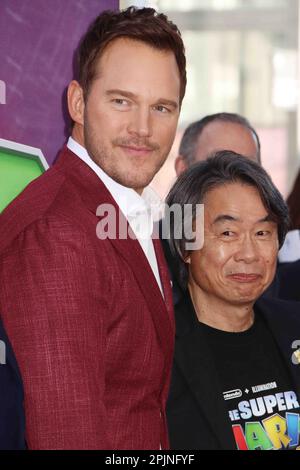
(289, 281)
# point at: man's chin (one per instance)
(249, 297)
(138, 183)
(246, 296)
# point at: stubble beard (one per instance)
(132, 177)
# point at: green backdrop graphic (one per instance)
(17, 170)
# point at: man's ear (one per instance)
(76, 102)
(180, 165)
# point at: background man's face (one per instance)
(131, 112)
(238, 259)
(219, 135)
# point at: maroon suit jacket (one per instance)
(91, 331)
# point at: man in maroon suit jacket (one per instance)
(90, 316)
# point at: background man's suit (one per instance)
(289, 280)
(91, 331)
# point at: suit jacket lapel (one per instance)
(194, 359)
(132, 252)
(165, 279)
(166, 285)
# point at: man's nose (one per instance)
(247, 250)
(141, 122)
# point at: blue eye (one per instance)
(161, 108)
(120, 101)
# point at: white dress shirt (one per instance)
(134, 207)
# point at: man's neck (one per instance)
(220, 314)
(77, 134)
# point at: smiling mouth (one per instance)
(242, 277)
(134, 150)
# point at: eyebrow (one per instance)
(226, 217)
(133, 96)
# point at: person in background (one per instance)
(289, 255)
(235, 381)
(293, 202)
(88, 308)
(220, 131)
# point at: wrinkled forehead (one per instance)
(234, 202)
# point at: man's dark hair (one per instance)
(189, 141)
(144, 25)
(293, 202)
(222, 168)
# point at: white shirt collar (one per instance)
(129, 201)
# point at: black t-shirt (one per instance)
(263, 408)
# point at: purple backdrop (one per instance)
(37, 41)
